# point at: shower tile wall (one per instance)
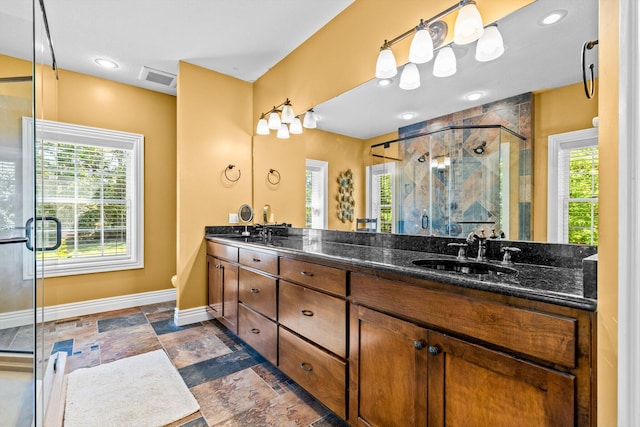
(467, 190)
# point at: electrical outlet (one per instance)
(233, 218)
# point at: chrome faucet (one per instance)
(482, 244)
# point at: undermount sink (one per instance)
(464, 266)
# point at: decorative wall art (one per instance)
(345, 199)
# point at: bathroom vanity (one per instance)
(382, 340)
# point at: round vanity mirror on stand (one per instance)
(246, 215)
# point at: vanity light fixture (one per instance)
(429, 35)
(283, 119)
(440, 162)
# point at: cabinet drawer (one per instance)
(545, 336)
(318, 317)
(219, 250)
(321, 374)
(258, 292)
(259, 260)
(259, 332)
(328, 279)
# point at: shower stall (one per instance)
(455, 180)
(26, 374)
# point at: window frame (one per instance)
(556, 222)
(86, 135)
(382, 169)
(321, 167)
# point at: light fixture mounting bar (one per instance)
(426, 23)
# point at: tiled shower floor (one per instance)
(233, 385)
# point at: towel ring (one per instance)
(275, 173)
(228, 168)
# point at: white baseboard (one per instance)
(63, 311)
(191, 315)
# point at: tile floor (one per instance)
(233, 384)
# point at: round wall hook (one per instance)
(276, 177)
(226, 171)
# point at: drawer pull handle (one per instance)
(256, 260)
(306, 367)
(307, 313)
(434, 350)
(306, 273)
(255, 291)
(255, 331)
(218, 266)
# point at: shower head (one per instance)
(480, 148)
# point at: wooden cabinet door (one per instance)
(472, 385)
(229, 279)
(214, 285)
(388, 370)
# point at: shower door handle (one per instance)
(58, 241)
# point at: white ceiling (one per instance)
(536, 57)
(245, 38)
(240, 38)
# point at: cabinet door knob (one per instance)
(306, 273)
(255, 291)
(256, 260)
(255, 331)
(307, 313)
(306, 367)
(419, 344)
(218, 266)
(434, 350)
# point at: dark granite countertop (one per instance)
(550, 284)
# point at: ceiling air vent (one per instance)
(157, 76)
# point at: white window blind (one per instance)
(316, 194)
(92, 181)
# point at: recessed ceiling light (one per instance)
(106, 63)
(553, 17)
(474, 96)
(384, 82)
(407, 115)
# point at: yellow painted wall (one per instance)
(556, 111)
(607, 374)
(214, 130)
(85, 100)
(286, 198)
(342, 153)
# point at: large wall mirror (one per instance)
(534, 89)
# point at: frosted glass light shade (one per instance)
(468, 27)
(410, 77)
(421, 49)
(310, 120)
(296, 126)
(445, 63)
(287, 114)
(263, 127)
(490, 46)
(386, 66)
(274, 120)
(283, 132)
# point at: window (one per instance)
(573, 187)
(381, 196)
(92, 181)
(316, 194)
